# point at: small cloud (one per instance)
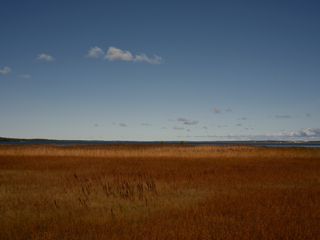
(96, 125)
(117, 54)
(25, 76)
(308, 115)
(178, 128)
(5, 71)
(283, 116)
(216, 110)
(144, 58)
(228, 110)
(123, 125)
(95, 52)
(181, 119)
(44, 57)
(239, 124)
(145, 124)
(187, 121)
(243, 119)
(205, 127)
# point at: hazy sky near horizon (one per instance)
(160, 70)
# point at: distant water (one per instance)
(293, 145)
(271, 144)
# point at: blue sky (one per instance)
(160, 70)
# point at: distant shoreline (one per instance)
(266, 143)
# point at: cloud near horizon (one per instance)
(303, 133)
(44, 57)
(306, 134)
(5, 71)
(145, 124)
(187, 121)
(216, 110)
(178, 128)
(283, 116)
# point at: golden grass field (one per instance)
(159, 192)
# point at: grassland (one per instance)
(159, 192)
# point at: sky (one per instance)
(160, 70)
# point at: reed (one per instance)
(159, 192)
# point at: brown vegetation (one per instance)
(159, 192)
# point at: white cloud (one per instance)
(45, 57)
(306, 134)
(144, 58)
(25, 76)
(95, 52)
(5, 71)
(303, 133)
(117, 54)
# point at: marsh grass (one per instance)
(159, 192)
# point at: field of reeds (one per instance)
(159, 192)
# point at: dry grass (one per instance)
(159, 192)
